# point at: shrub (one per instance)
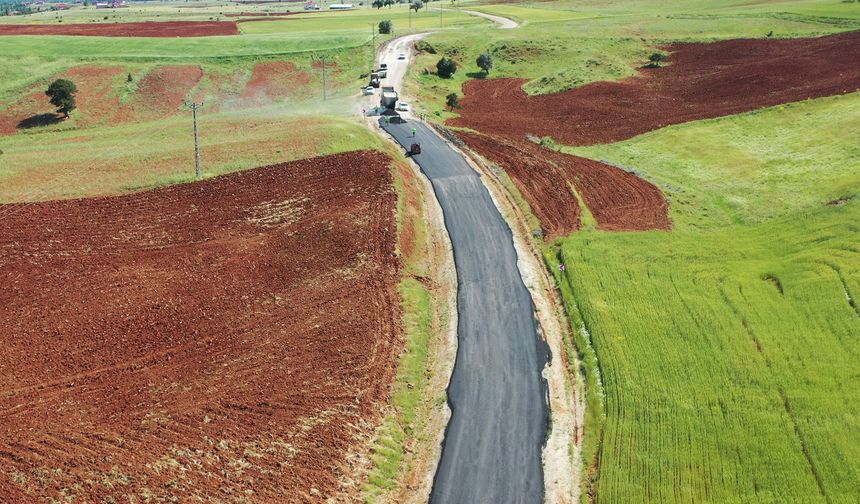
(453, 101)
(445, 68)
(424, 46)
(385, 26)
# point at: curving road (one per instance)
(498, 398)
(502, 22)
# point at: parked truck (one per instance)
(389, 97)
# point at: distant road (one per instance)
(503, 22)
(493, 442)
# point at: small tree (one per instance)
(388, 3)
(485, 62)
(129, 78)
(453, 101)
(445, 68)
(377, 3)
(657, 57)
(416, 4)
(385, 26)
(62, 94)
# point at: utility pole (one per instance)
(409, 6)
(194, 107)
(440, 13)
(323, 63)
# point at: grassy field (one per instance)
(749, 167)
(112, 160)
(721, 355)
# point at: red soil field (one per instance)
(140, 29)
(702, 81)
(274, 80)
(230, 340)
(261, 14)
(618, 200)
(95, 100)
(161, 92)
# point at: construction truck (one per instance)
(389, 97)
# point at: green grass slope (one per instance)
(722, 355)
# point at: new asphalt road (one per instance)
(492, 447)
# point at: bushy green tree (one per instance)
(453, 101)
(445, 68)
(385, 26)
(377, 3)
(62, 94)
(416, 4)
(485, 62)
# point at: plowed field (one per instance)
(618, 200)
(140, 29)
(227, 340)
(701, 81)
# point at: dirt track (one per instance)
(229, 339)
(702, 81)
(140, 29)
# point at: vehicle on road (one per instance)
(367, 91)
(415, 149)
(401, 56)
(403, 106)
(382, 74)
(383, 66)
(374, 79)
(389, 97)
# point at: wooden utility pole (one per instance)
(194, 107)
